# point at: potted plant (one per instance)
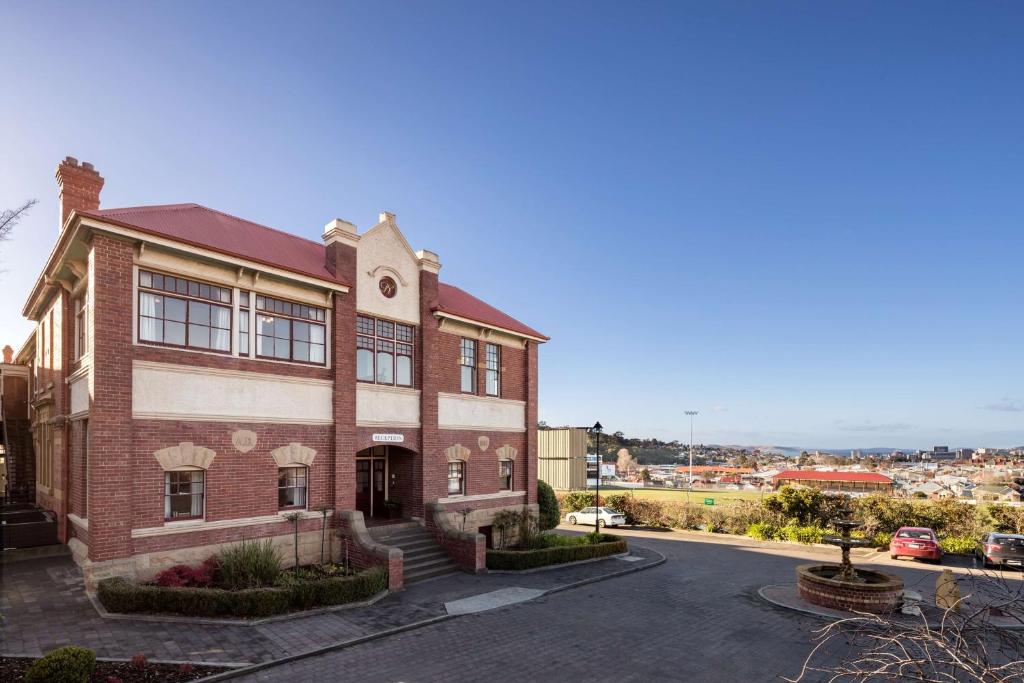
(394, 508)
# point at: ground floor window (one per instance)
(183, 494)
(456, 478)
(291, 487)
(505, 475)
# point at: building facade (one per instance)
(197, 378)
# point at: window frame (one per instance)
(187, 298)
(510, 477)
(167, 495)
(464, 344)
(305, 487)
(292, 319)
(461, 465)
(81, 323)
(379, 343)
(488, 369)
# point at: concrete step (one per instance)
(408, 540)
(428, 563)
(416, 544)
(432, 554)
(429, 573)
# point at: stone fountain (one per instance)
(841, 586)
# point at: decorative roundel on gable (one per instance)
(388, 287)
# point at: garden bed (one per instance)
(556, 550)
(310, 588)
(13, 669)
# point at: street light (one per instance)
(689, 484)
(597, 496)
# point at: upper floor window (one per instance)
(467, 361)
(188, 319)
(493, 376)
(289, 331)
(243, 323)
(81, 327)
(384, 351)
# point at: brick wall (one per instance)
(445, 363)
(111, 513)
(238, 485)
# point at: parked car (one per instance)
(607, 517)
(916, 542)
(1001, 549)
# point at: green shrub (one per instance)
(574, 501)
(559, 554)
(1006, 519)
(803, 533)
(64, 665)
(293, 593)
(548, 503)
(763, 531)
(638, 510)
(249, 564)
(881, 539)
(957, 545)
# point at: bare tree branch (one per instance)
(10, 217)
(940, 646)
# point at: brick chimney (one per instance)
(80, 186)
(8, 354)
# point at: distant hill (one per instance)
(795, 451)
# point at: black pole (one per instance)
(597, 495)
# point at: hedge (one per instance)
(119, 595)
(531, 559)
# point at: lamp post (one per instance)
(689, 484)
(597, 479)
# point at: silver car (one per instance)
(586, 516)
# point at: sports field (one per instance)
(679, 495)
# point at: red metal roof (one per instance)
(204, 227)
(812, 475)
(199, 226)
(455, 301)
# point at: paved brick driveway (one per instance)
(695, 618)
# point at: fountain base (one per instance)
(871, 591)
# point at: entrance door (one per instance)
(363, 494)
(379, 494)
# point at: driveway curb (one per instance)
(228, 675)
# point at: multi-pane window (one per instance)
(183, 494)
(456, 478)
(81, 327)
(243, 323)
(467, 363)
(492, 354)
(189, 319)
(288, 331)
(291, 487)
(505, 475)
(384, 351)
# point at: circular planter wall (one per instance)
(880, 593)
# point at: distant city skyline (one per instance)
(802, 220)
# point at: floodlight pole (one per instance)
(689, 484)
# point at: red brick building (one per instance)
(195, 377)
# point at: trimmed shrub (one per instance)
(293, 594)
(548, 503)
(181, 575)
(559, 554)
(249, 564)
(957, 545)
(64, 665)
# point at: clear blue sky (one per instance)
(802, 219)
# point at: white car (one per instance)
(607, 517)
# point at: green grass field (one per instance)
(679, 495)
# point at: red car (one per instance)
(917, 542)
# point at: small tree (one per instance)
(294, 518)
(548, 504)
(323, 510)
